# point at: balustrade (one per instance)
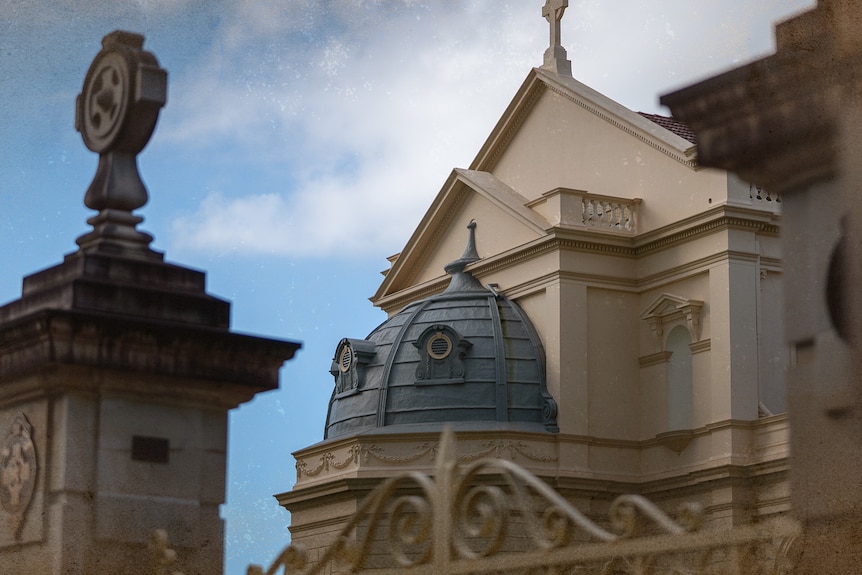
(760, 194)
(615, 214)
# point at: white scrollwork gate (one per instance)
(460, 522)
(492, 516)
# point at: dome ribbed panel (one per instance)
(503, 365)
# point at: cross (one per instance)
(553, 13)
(555, 55)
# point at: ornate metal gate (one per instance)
(459, 522)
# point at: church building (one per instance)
(584, 300)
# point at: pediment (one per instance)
(503, 222)
(668, 309)
(581, 96)
(667, 304)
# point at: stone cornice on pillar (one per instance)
(774, 121)
(115, 304)
(226, 369)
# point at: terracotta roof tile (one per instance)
(672, 125)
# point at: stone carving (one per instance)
(116, 113)
(18, 468)
(327, 462)
(507, 449)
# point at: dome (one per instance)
(468, 356)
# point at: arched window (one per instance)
(679, 379)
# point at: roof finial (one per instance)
(464, 280)
(555, 55)
(470, 253)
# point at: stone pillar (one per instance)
(791, 123)
(117, 371)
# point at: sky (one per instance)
(301, 143)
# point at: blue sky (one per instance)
(301, 142)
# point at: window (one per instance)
(348, 365)
(679, 379)
(441, 350)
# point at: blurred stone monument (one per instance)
(117, 370)
(793, 123)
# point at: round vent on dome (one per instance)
(439, 346)
(346, 358)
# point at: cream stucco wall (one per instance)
(702, 254)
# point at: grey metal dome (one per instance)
(468, 356)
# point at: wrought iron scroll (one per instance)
(469, 520)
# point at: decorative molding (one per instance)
(676, 440)
(506, 448)
(358, 454)
(654, 358)
(327, 462)
(378, 453)
(623, 246)
(440, 227)
(670, 309)
(511, 125)
(700, 346)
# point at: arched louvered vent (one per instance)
(348, 365)
(437, 363)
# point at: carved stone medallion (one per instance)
(18, 468)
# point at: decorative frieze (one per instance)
(399, 454)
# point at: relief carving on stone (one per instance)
(329, 461)
(18, 469)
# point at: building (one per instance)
(614, 324)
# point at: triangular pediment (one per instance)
(668, 309)
(668, 304)
(617, 116)
(503, 222)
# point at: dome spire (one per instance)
(470, 253)
(463, 280)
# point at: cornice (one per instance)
(559, 239)
(512, 124)
(440, 227)
(654, 359)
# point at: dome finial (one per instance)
(470, 253)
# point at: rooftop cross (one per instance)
(555, 56)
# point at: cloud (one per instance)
(369, 121)
(369, 104)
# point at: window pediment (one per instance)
(669, 310)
